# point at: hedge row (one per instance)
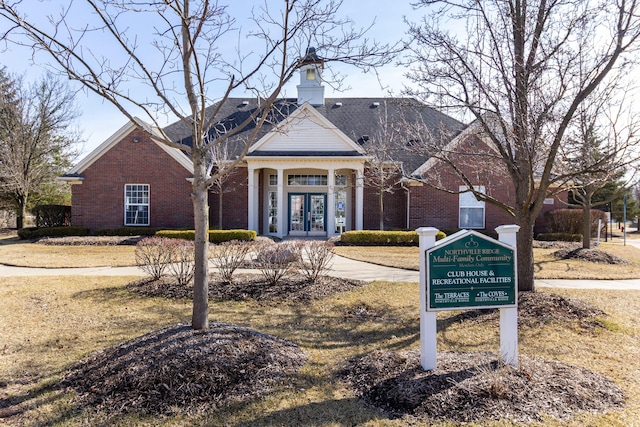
(383, 238)
(36, 233)
(563, 237)
(215, 236)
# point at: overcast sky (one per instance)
(100, 119)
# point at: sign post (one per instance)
(468, 270)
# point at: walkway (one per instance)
(342, 267)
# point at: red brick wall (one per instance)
(395, 208)
(99, 201)
(234, 202)
(430, 207)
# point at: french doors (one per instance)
(307, 214)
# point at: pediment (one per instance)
(306, 130)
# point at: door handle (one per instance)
(308, 216)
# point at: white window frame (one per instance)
(273, 180)
(272, 212)
(145, 188)
(467, 200)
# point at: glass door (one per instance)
(307, 214)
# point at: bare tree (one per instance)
(521, 70)
(383, 170)
(37, 137)
(190, 69)
(601, 148)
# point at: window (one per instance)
(341, 211)
(341, 180)
(273, 211)
(311, 74)
(273, 179)
(471, 209)
(307, 180)
(136, 204)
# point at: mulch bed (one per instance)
(177, 370)
(590, 255)
(537, 308)
(468, 387)
(247, 286)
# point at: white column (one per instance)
(509, 316)
(359, 197)
(252, 202)
(428, 327)
(331, 202)
(282, 211)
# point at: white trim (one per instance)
(71, 180)
(129, 127)
(305, 108)
(148, 205)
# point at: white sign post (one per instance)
(477, 294)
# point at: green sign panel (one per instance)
(470, 270)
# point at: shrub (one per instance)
(153, 254)
(230, 257)
(563, 237)
(215, 236)
(182, 265)
(383, 238)
(276, 260)
(126, 231)
(52, 215)
(313, 258)
(570, 221)
(35, 232)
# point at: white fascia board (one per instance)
(72, 180)
(305, 108)
(130, 126)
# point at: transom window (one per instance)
(136, 204)
(341, 180)
(273, 179)
(471, 209)
(307, 180)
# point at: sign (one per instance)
(470, 270)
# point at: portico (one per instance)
(305, 195)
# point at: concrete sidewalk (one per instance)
(342, 267)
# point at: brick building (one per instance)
(304, 175)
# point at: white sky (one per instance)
(100, 119)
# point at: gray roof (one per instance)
(357, 118)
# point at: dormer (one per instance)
(310, 88)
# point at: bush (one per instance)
(52, 215)
(276, 260)
(313, 258)
(383, 238)
(126, 231)
(569, 221)
(153, 254)
(182, 265)
(562, 237)
(36, 233)
(215, 236)
(230, 257)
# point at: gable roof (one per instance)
(354, 118)
(129, 127)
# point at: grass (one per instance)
(546, 266)
(25, 254)
(48, 323)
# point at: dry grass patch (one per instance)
(380, 316)
(23, 254)
(546, 265)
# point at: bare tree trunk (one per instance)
(22, 212)
(381, 209)
(525, 254)
(586, 222)
(220, 207)
(200, 196)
